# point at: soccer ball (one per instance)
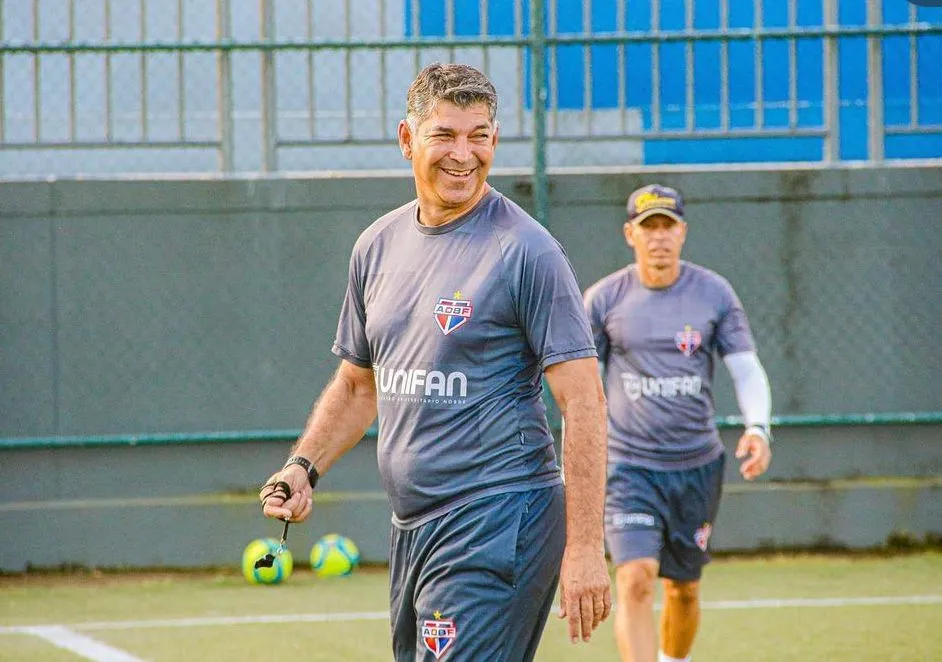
(280, 570)
(334, 555)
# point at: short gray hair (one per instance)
(459, 84)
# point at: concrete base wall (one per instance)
(189, 505)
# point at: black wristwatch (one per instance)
(307, 465)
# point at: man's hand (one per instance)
(295, 508)
(585, 591)
(755, 453)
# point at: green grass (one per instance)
(884, 633)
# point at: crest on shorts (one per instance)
(688, 341)
(702, 536)
(439, 634)
(452, 313)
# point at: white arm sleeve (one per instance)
(752, 388)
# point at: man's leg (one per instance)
(486, 577)
(401, 589)
(635, 583)
(540, 546)
(680, 617)
(635, 517)
(694, 504)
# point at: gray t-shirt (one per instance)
(657, 349)
(457, 323)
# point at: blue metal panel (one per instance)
(568, 85)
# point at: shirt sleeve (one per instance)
(594, 308)
(752, 388)
(550, 310)
(733, 333)
(351, 343)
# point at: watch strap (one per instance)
(307, 465)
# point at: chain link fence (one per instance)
(219, 87)
(186, 306)
(838, 326)
(208, 86)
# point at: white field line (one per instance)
(382, 615)
(824, 602)
(86, 647)
(211, 621)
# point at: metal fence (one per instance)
(235, 86)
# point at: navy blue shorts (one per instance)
(663, 515)
(478, 582)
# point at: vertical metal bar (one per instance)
(758, 26)
(348, 70)
(832, 99)
(224, 86)
(37, 79)
(655, 67)
(416, 29)
(269, 107)
(689, 100)
(521, 74)
(181, 77)
(450, 26)
(311, 89)
(913, 72)
(145, 132)
(3, 105)
(109, 96)
(792, 66)
(553, 69)
(71, 60)
(724, 66)
(587, 66)
(875, 119)
(383, 91)
(621, 21)
(538, 87)
(485, 34)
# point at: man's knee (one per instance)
(681, 593)
(636, 581)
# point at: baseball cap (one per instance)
(655, 199)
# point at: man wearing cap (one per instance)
(658, 323)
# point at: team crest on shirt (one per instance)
(688, 341)
(439, 634)
(702, 536)
(452, 313)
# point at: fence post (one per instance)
(539, 95)
(3, 104)
(224, 85)
(832, 95)
(269, 102)
(875, 120)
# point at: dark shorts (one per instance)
(478, 582)
(664, 515)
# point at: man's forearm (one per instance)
(584, 462)
(338, 420)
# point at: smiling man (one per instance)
(457, 304)
(657, 325)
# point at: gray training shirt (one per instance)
(657, 348)
(457, 323)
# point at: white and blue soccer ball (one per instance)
(280, 569)
(334, 555)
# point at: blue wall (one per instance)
(853, 74)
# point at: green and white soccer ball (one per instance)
(334, 555)
(277, 573)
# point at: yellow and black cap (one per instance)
(655, 199)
